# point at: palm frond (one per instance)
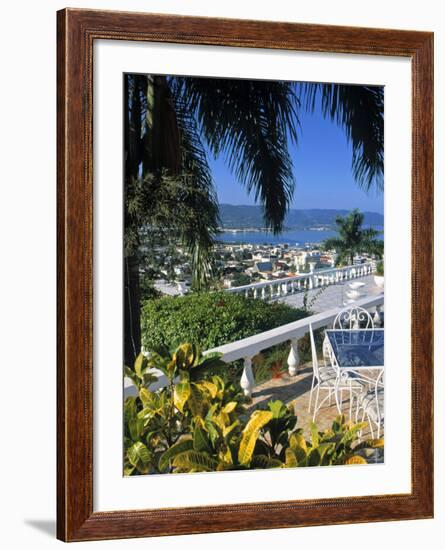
(249, 122)
(359, 111)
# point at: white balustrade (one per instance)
(305, 281)
(247, 348)
(293, 359)
(247, 382)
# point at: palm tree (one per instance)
(353, 239)
(172, 123)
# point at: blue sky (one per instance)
(322, 170)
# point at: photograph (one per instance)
(253, 274)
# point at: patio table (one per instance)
(356, 354)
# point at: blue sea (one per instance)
(295, 237)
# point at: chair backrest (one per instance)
(314, 354)
(353, 317)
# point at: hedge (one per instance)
(210, 319)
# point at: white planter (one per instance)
(379, 280)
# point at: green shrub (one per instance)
(380, 269)
(210, 319)
(199, 424)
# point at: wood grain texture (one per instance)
(77, 30)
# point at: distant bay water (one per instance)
(295, 237)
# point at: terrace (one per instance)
(326, 292)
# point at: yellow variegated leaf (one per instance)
(291, 459)
(376, 443)
(228, 429)
(226, 456)
(140, 364)
(193, 460)
(139, 456)
(209, 386)
(185, 356)
(181, 394)
(356, 459)
(146, 396)
(251, 433)
(314, 434)
(230, 407)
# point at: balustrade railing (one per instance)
(247, 348)
(276, 288)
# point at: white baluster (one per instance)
(247, 380)
(263, 293)
(255, 292)
(311, 282)
(293, 359)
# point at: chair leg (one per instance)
(370, 426)
(310, 395)
(316, 403)
(350, 402)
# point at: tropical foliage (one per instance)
(197, 423)
(170, 125)
(353, 239)
(210, 319)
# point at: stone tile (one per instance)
(296, 390)
(332, 296)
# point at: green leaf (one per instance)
(135, 427)
(181, 394)
(129, 373)
(350, 434)
(251, 433)
(314, 435)
(179, 447)
(139, 456)
(278, 409)
(140, 364)
(193, 460)
(146, 396)
(291, 459)
(185, 356)
(205, 385)
(263, 461)
(338, 423)
(316, 455)
(200, 440)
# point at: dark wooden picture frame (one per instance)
(77, 31)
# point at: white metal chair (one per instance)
(371, 404)
(353, 317)
(328, 378)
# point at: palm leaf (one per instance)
(249, 123)
(359, 111)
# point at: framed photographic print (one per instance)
(245, 215)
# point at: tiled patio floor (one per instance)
(295, 390)
(332, 296)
